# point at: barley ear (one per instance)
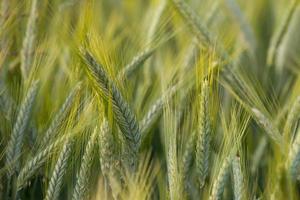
(82, 180)
(16, 141)
(36, 162)
(28, 42)
(221, 179)
(58, 173)
(122, 112)
(292, 117)
(203, 139)
(293, 164)
(238, 179)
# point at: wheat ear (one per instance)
(36, 162)
(82, 180)
(203, 139)
(137, 60)
(219, 183)
(27, 49)
(293, 115)
(59, 172)
(238, 179)
(293, 164)
(15, 143)
(122, 112)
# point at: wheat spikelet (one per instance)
(58, 172)
(27, 49)
(219, 183)
(82, 180)
(238, 179)
(203, 136)
(60, 116)
(15, 144)
(122, 112)
(36, 162)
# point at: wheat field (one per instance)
(149, 99)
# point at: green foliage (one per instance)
(149, 99)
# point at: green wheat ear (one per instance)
(203, 136)
(16, 141)
(59, 171)
(238, 179)
(122, 112)
(28, 42)
(36, 162)
(219, 183)
(293, 164)
(82, 180)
